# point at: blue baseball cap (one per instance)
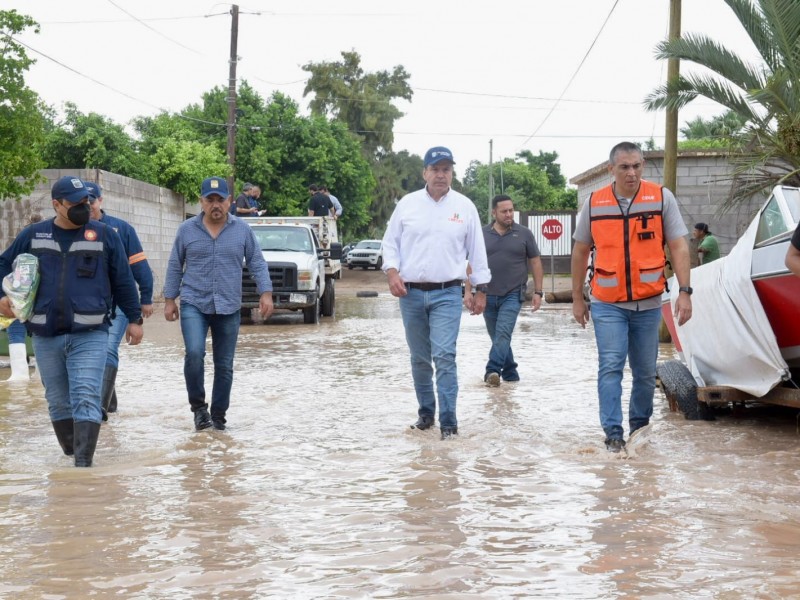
(214, 186)
(69, 188)
(95, 191)
(438, 154)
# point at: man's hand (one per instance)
(469, 301)
(580, 311)
(265, 305)
(397, 286)
(171, 312)
(478, 304)
(683, 308)
(5, 307)
(536, 302)
(134, 334)
(147, 310)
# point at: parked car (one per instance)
(346, 250)
(366, 254)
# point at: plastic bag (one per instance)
(20, 286)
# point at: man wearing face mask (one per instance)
(84, 272)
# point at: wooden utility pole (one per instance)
(671, 133)
(232, 96)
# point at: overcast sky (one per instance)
(480, 70)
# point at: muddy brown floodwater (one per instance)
(319, 489)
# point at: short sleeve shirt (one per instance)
(508, 256)
(321, 205)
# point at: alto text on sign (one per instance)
(552, 229)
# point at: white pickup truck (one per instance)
(303, 254)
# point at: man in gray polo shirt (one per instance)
(512, 253)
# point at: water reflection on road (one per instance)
(320, 489)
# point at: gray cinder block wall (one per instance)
(153, 211)
(701, 193)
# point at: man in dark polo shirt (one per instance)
(512, 252)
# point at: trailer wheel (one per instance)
(680, 387)
(329, 298)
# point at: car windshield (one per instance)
(283, 239)
(369, 245)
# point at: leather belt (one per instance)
(429, 287)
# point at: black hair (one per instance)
(702, 227)
(623, 147)
(500, 198)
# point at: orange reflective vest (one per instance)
(629, 254)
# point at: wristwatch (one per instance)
(539, 293)
(139, 321)
(686, 288)
(482, 289)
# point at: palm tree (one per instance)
(765, 96)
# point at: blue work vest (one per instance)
(74, 289)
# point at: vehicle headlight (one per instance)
(304, 281)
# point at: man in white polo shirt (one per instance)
(430, 236)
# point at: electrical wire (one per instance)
(156, 31)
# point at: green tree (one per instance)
(21, 119)
(363, 101)
(91, 141)
(765, 96)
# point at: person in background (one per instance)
(793, 253)
(84, 273)
(144, 280)
(707, 247)
(512, 253)
(430, 235)
(242, 202)
(628, 222)
(319, 205)
(205, 270)
(337, 206)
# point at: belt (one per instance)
(429, 287)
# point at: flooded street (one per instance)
(319, 488)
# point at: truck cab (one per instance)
(302, 266)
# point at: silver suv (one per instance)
(366, 254)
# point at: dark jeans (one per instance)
(224, 333)
(501, 317)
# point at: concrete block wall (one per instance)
(153, 211)
(701, 191)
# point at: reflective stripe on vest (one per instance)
(628, 262)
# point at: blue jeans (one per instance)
(115, 334)
(71, 366)
(16, 333)
(431, 320)
(501, 316)
(224, 333)
(622, 334)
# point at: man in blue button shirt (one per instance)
(205, 270)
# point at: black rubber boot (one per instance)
(64, 434)
(86, 433)
(112, 406)
(107, 392)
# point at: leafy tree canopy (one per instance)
(21, 112)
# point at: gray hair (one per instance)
(623, 147)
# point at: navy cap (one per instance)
(438, 154)
(69, 188)
(95, 191)
(214, 186)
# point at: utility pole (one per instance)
(671, 133)
(491, 184)
(231, 124)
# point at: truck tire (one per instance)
(679, 385)
(311, 313)
(329, 298)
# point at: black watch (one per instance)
(686, 288)
(539, 293)
(139, 321)
(482, 289)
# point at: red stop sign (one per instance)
(552, 229)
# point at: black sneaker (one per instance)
(615, 444)
(218, 423)
(202, 420)
(448, 432)
(424, 422)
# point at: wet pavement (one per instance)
(319, 488)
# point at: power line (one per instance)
(575, 74)
(156, 31)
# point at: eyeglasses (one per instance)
(214, 198)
